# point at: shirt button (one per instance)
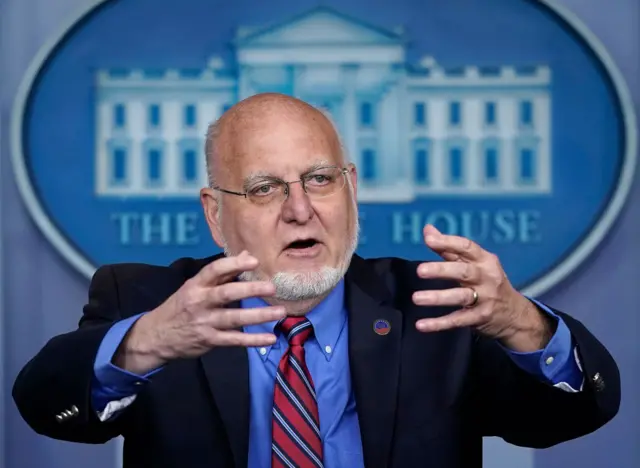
(549, 360)
(263, 351)
(327, 349)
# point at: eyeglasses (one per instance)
(318, 183)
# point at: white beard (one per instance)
(300, 286)
(305, 285)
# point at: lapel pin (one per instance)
(381, 327)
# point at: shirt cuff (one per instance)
(558, 362)
(110, 382)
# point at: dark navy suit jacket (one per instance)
(422, 399)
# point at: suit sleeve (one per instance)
(53, 390)
(558, 363)
(524, 410)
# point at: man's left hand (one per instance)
(488, 302)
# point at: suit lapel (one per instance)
(227, 371)
(374, 361)
(226, 368)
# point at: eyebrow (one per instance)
(317, 165)
(256, 176)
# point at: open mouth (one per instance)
(302, 244)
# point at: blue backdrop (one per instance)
(42, 295)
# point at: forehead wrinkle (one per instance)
(253, 114)
(318, 163)
(261, 174)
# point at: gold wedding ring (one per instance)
(475, 299)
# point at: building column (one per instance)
(350, 113)
(402, 157)
(508, 164)
(171, 170)
(172, 125)
(137, 123)
(472, 164)
(102, 169)
(507, 131)
(295, 76)
(244, 86)
(543, 154)
(389, 138)
(438, 164)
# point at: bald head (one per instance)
(259, 117)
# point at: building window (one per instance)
(527, 165)
(366, 114)
(490, 113)
(419, 114)
(369, 165)
(526, 113)
(455, 116)
(456, 166)
(491, 165)
(422, 166)
(154, 165)
(189, 166)
(119, 166)
(190, 115)
(119, 116)
(188, 161)
(421, 156)
(154, 115)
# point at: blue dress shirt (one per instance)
(328, 363)
(327, 357)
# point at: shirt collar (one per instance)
(327, 318)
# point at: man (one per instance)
(292, 351)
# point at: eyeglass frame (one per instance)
(344, 171)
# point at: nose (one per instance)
(297, 207)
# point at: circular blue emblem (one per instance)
(381, 327)
(504, 121)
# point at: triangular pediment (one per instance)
(320, 26)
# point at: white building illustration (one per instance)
(412, 129)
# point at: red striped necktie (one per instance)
(296, 439)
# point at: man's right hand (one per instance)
(194, 319)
